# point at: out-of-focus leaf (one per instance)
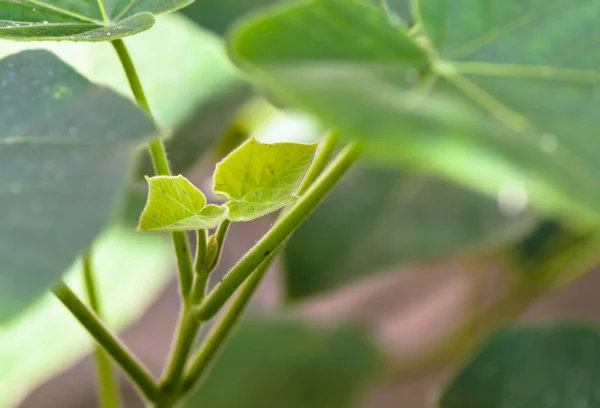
(218, 15)
(66, 149)
(400, 8)
(274, 364)
(552, 366)
(508, 101)
(75, 20)
(175, 204)
(131, 269)
(396, 218)
(259, 178)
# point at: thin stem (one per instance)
(201, 273)
(186, 334)
(123, 357)
(161, 166)
(280, 231)
(219, 334)
(326, 150)
(108, 387)
(220, 236)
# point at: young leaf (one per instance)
(506, 100)
(175, 204)
(546, 366)
(76, 20)
(398, 218)
(131, 270)
(260, 178)
(276, 364)
(66, 148)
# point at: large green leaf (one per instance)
(175, 204)
(130, 269)
(75, 20)
(501, 96)
(272, 364)
(552, 366)
(377, 219)
(66, 148)
(259, 178)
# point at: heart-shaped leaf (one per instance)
(276, 364)
(45, 338)
(403, 218)
(175, 204)
(497, 94)
(76, 20)
(259, 178)
(66, 148)
(553, 366)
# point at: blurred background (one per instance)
(428, 256)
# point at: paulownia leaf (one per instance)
(45, 338)
(175, 204)
(260, 178)
(504, 97)
(275, 364)
(66, 147)
(78, 20)
(397, 218)
(546, 366)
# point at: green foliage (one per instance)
(271, 364)
(501, 98)
(397, 218)
(552, 366)
(260, 178)
(66, 148)
(100, 20)
(43, 340)
(175, 204)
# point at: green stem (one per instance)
(219, 334)
(161, 165)
(201, 273)
(107, 383)
(326, 150)
(123, 357)
(282, 229)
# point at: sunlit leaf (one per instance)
(130, 269)
(175, 204)
(75, 20)
(260, 178)
(503, 98)
(270, 364)
(398, 218)
(546, 366)
(66, 148)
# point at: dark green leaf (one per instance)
(45, 339)
(76, 20)
(65, 150)
(287, 364)
(218, 15)
(510, 100)
(375, 220)
(552, 366)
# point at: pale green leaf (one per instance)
(130, 269)
(545, 366)
(175, 204)
(260, 178)
(76, 20)
(503, 97)
(66, 149)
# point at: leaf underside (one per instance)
(259, 178)
(91, 20)
(503, 94)
(175, 204)
(66, 148)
